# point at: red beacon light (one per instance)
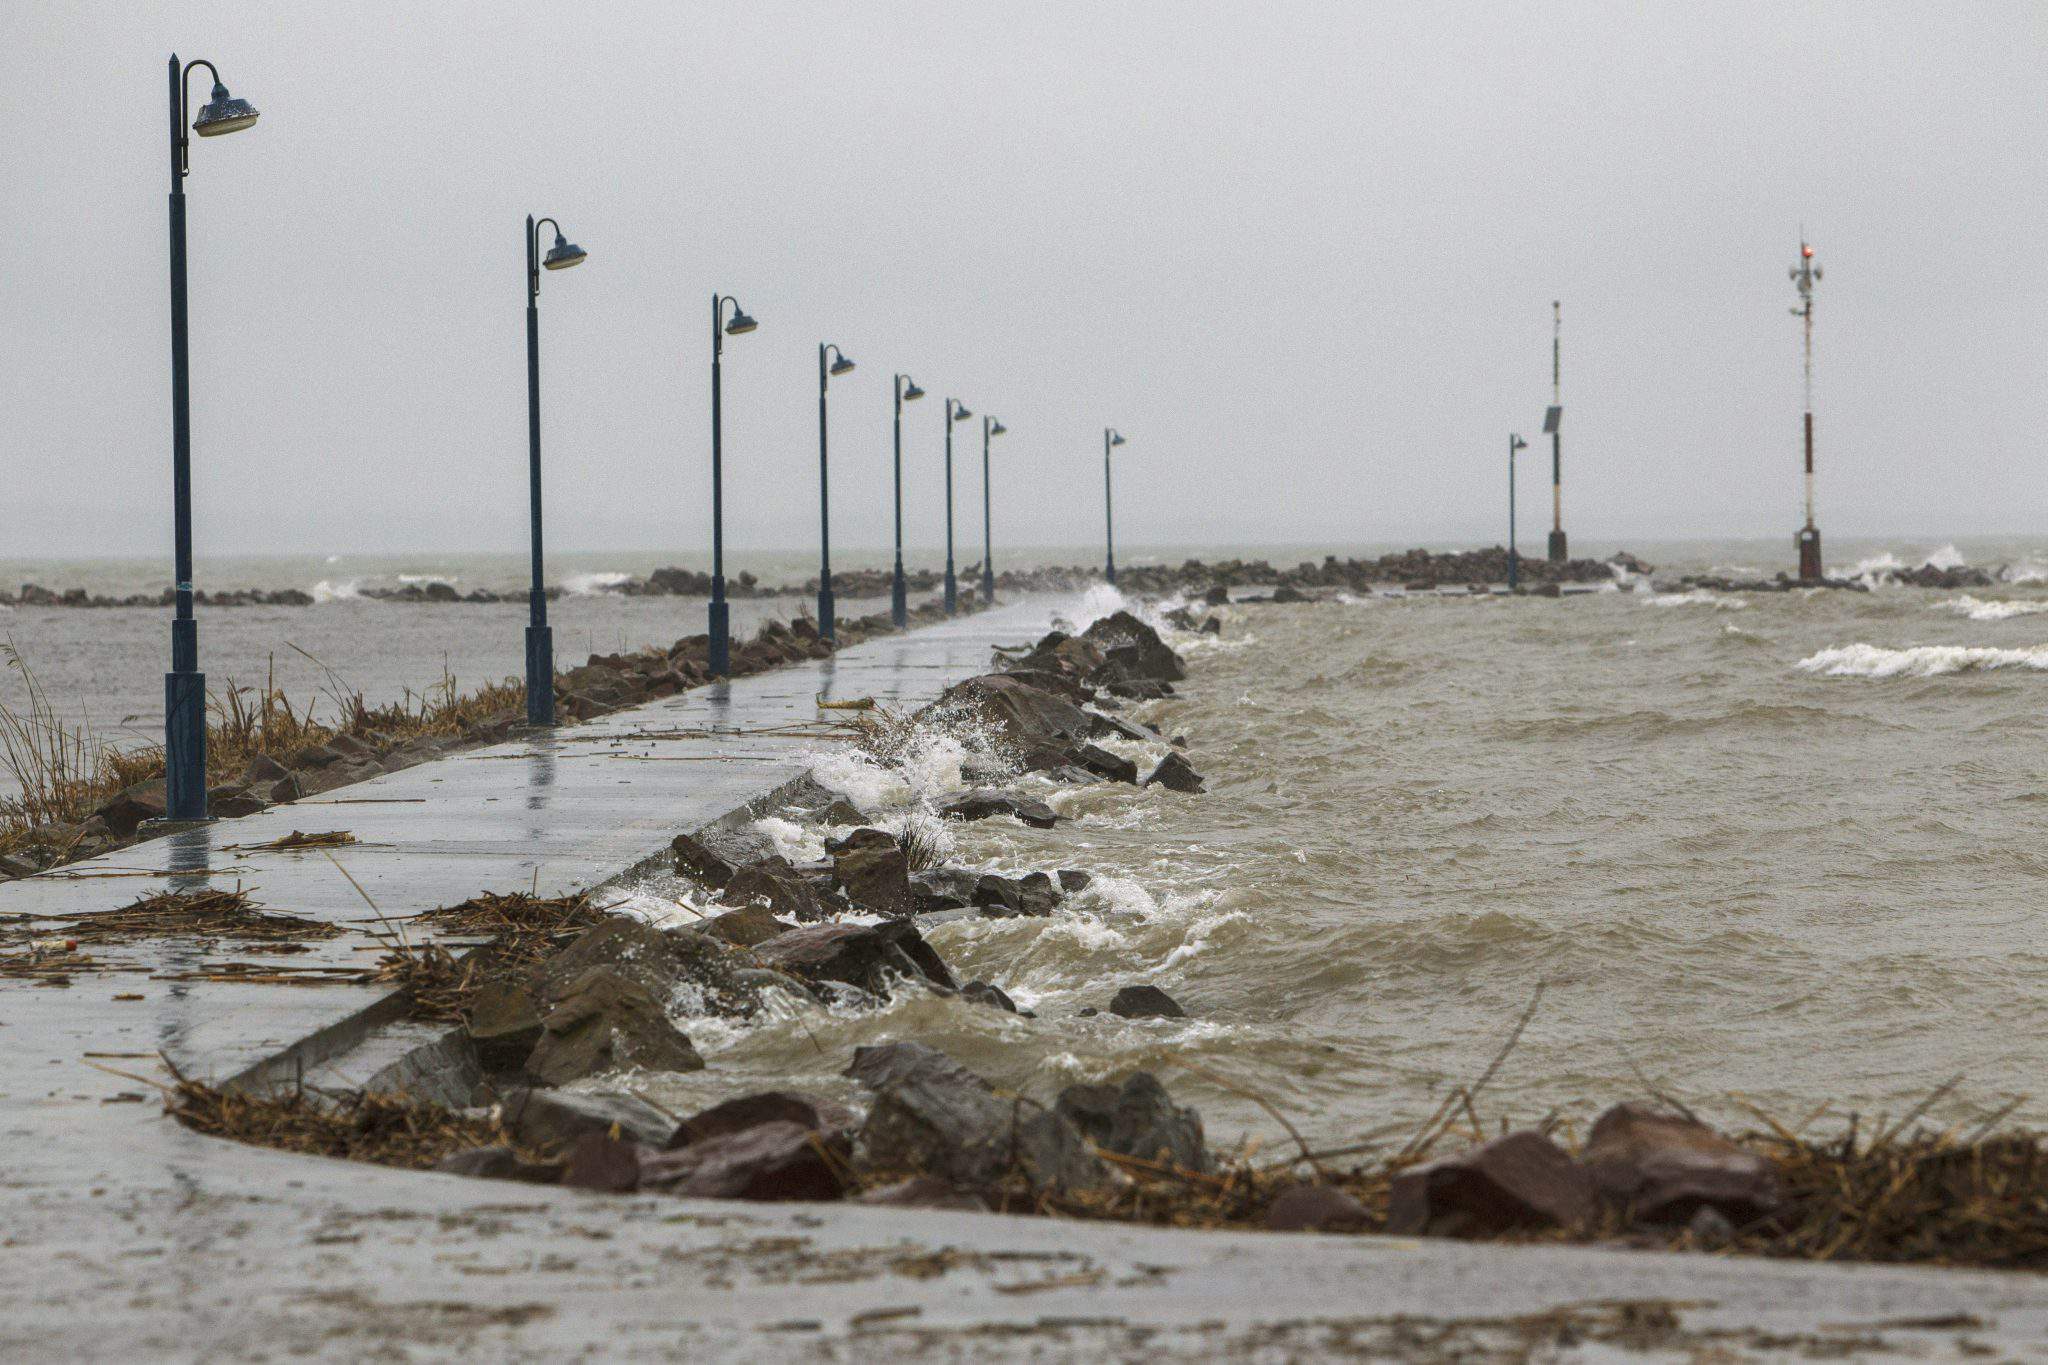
(1806, 251)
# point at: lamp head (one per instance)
(842, 365)
(1517, 443)
(911, 392)
(741, 324)
(223, 113)
(996, 428)
(563, 254)
(960, 412)
(1115, 439)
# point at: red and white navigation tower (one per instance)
(1805, 275)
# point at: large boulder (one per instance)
(773, 882)
(1145, 1002)
(1135, 647)
(1022, 715)
(981, 803)
(1664, 1168)
(503, 1020)
(1137, 1118)
(766, 1106)
(1175, 774)
(874, 874)
(746, 927)
(773, 1160)
(552, 1120)
(670, 964)
(605, 1021)
(697, 860)
(865, 956)
(933, 1117)
(1104, 764)
(1521, 1181)
(1003, 897)
(128, 808)
(942, 888)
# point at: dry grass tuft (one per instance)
(66, 772)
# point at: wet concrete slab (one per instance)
(125, 1235)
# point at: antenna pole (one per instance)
(1558, 552)
(1804, 274)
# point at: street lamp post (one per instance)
(185, 685)
(906, 391)
(955, 412)
(540, 639)
(989, 427)
(1515, 443)
(719, 659)
(1109, 438)
(840, 365)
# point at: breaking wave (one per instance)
(326, 590)
(1876, 570)
(1993, 609)
(1919, 661)
(1698, 597)
(588, 584)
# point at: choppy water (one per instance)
(1786, 847)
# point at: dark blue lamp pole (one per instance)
(185, 685)
(720, 660)
(955, 412)
(1515, 443)
(540, 639)
(840, 365)
(906, 391)
(989, 427)
(1109, 438)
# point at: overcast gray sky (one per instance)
(1301, 254)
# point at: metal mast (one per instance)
(1553, 421)
(1804, 275)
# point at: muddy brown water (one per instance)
(1781, 850)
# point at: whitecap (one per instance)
(1919, 661)
(1698, 597)
(347, 590)
(589, 584)
(1992, 609)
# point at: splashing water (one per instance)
(1919, 661)
(1994, 609)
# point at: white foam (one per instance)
(449, 579)
(588, 584)
(2026, 571)
(798, 843)
(1919, 661)
(345, 591)
(1993, 609)
(1698, 597)
(1875, 571)
(860, 779)
(1947, 557)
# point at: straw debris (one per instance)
(390, 1130)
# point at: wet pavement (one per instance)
(123, 1234)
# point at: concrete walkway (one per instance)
(124, 1235)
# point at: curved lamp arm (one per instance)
(718, 302)
(185, 111)
(824, 367)
(533, 253)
